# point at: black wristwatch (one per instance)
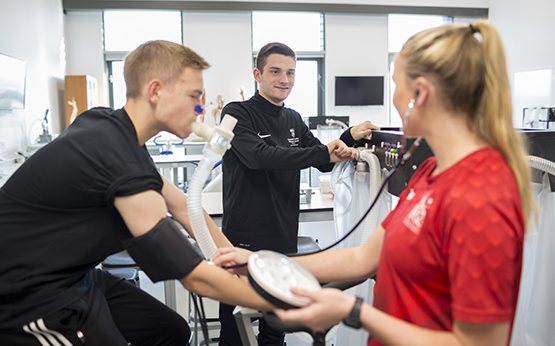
(353, 319)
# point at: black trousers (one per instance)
(112, 312)
(229, 334)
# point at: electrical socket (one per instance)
(2, 145)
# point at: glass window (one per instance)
(118, 84)
(302, 31)
(403, 26)
(125, 30)
(400, 28)
(306, 87)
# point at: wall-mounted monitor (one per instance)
(359, 91)
(12, 82)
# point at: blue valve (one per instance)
(199, 109)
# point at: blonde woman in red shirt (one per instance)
(448, 258)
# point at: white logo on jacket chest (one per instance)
(415, 218)
(294, 141)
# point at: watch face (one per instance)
(277, 274)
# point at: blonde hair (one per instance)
(468, 63)
(158, 59)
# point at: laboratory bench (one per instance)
(315, 218)
(320, 208)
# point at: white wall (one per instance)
(224, 40)
(85, 53)
(356, 45)
(527, 29)
(32, 30)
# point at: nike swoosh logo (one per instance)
(263, 136)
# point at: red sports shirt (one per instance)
(453, 246)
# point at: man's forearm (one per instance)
(213, 282)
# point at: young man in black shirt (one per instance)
(261, 171)
(91, 193)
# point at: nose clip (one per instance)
(199, 109)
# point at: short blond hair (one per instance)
(158, 59)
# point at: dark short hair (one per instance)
(272, 48)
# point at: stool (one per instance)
(123, 260)
(129, 274)
(306, 244)
(194, 318)
(195, 324)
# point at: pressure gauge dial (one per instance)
(273, 275)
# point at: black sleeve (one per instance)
(137, 181)
(128, 186)
(255, 153)
(309, 140)
(347, 138)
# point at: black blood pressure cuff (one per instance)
(163, 253)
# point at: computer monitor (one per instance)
(12, 82)
(359, 91)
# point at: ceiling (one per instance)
(191, 5)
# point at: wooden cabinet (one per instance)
(82, 89)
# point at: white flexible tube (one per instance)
(375, 183)
(542, 164)
(331, 122)
(219, 140)
(194, 204)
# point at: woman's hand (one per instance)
(328, 307)
(232, 256)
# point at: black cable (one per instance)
(404, 157)
(359, 222)
(233, 267)
(389, 175)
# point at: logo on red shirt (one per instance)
(415, 218)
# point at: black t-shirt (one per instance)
(261, 174)
(57, 218)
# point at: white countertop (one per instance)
(212, 203)
(176, 160)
